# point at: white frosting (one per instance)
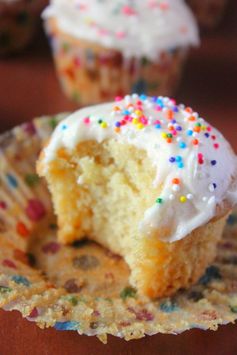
(135, 27)
(196, 154)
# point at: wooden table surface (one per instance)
(29, 88)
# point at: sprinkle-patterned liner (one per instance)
(18, 23)
(209, 12)
(90, 74)
(84, 287)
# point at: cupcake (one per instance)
(18, 23)
(208, 12)
(149, 180)
(107, 48)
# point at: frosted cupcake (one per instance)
(148, 179)
(18, 23)
(107, 48)
(208, 12)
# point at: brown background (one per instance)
(29, 88)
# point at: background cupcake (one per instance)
(18, 22)
(208, 12)
(104, 49)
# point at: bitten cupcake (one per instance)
(208, 12)
(107, 48)
(18, 23)
(147, 178)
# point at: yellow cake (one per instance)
(146, 178)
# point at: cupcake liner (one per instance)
(89, 73)
(208, 12)
(21, 193)
(84, 287)
(18, 23)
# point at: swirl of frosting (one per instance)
(137, 28)
(195, 165)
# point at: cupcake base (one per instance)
(102, 211)
(160, 269)
(91, 74)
